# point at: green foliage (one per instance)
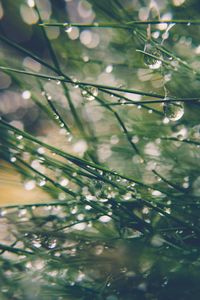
(114, 145)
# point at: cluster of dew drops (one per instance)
(173, 110)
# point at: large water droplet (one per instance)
(152, 62)
(173, 110)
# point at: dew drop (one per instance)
(26, 95)
(3, 212)
(19, 137)
(29, 185)
(49, 97)
(152, 62)
(85, 58)
(109, 69)
(105, 219)
(135, 139)
(69, 137)
(42, 182)
(50, 243)
(36, 242)
(13, 159)
(41, 150)
(122, 101)
(68, 27)
(64, 181)
(173, 110)
(90, 92)
(31, 3)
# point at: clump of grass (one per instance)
(122, 170)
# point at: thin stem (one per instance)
(81, 83)
(128, 25)
(14, 250)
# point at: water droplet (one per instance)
(75, 84)
(90, 92)
(105, 219)
(127, 196)
(29, 185)
(173, 110)
(165, 120)
(26, 95)
(37, 242)
(167, 77)
(64, 182)
(3, 212)
(19, 137)
(86, 58)
(109, 69)
(135, 139)
(42, 182)
(121, 101)
(13, 159)
(41, 150)
(68, 27)
(31, 3)
(152, 62)
(50, 243)
(142, 286)
(168, 210)
(70, 137)
(80, 226)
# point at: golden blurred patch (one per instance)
(12, 191)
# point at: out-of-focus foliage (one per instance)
(99, 149)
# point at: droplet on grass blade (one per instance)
(173, 110)
(36, 242)
(26, 95)
(13, 159)
(90, 92)
(105, 219)
(50, 243)
(68, 27)
(151, 57)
